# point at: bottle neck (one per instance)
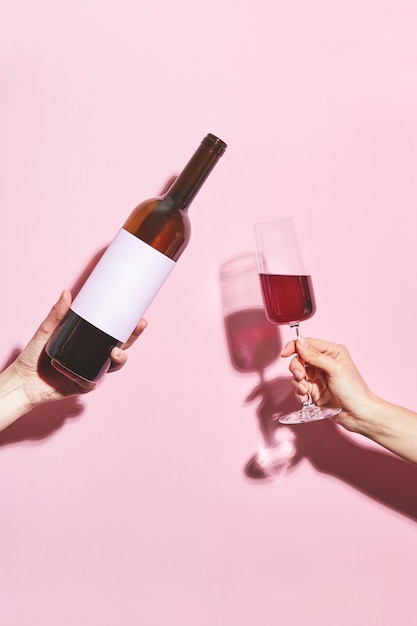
(186, 186)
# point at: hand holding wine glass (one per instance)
(288, 294)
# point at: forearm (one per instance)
(13, 399)
(391, 426)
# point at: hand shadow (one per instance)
(42, 421)
(382, 476)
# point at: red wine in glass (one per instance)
(287, 299)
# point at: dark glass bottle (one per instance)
(131, 271)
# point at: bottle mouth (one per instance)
(216, 144)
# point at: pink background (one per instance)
(131, 505)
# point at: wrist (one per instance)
(378, 420)
(370, 419)
(14, 401)
(363, 416)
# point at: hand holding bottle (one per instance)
(32, 379)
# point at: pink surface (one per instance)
(131, 506)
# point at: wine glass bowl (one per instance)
(287, 292)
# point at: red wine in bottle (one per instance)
(131, 271)
(287, 298)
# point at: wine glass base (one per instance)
(308, 414)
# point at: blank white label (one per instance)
(122, 285)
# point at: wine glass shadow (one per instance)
(253, 347)
(41, 422)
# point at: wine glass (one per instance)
(287, 292)
(254, 344)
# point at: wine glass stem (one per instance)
(295, 327)
(309, 404)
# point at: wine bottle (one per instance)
(130, 273)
